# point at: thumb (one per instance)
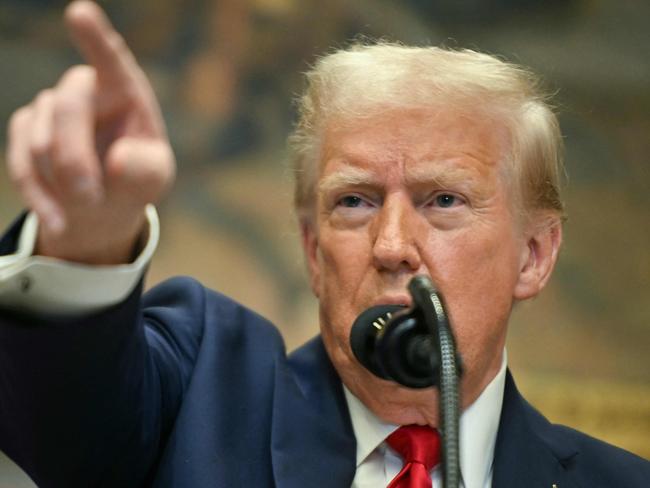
(139, 170)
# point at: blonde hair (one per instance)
(363, 81)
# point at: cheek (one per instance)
(476, 273)
(345, 261)
(344, 258)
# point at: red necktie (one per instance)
(419, 447)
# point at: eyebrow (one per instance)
(349, 176)
(443, 176)
(425, 174)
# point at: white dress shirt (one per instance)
(378, 464)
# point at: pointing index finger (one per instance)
(101, 45)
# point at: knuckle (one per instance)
(19, 178)
(79, 71)
(68, 175)
(18, 119)
(75, 88)
(163, 175)
(65, 163)
(75, 79)
(67, 107)
(44, 97)
(156, 177)
(67, 172)
(40, 148)
(64, 109)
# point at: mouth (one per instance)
(399, 300)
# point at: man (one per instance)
(408, 161)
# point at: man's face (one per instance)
(415, 193)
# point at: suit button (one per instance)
(25, 283)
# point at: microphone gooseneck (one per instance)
(415, 347)
(433, 310)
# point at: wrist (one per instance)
(96, 245)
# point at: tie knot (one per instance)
(416, 443)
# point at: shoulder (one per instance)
(591, 462)
(548, 453)
(182, 296)
(598, 463)
(183, 311)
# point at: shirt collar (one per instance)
(478, 427)
(369, 430)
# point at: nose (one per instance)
(395, 236)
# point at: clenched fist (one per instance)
(88, 154)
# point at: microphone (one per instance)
(395, 343)
(415, 347)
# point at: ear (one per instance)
(538, 258)
(310, 248)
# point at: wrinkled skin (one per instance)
(409, 194)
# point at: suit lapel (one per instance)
(312, 443)
(527, 453)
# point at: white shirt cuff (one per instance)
(40, 284)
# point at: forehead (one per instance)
(414, 144)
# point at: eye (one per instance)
(446, 200)
(350, 201)
(352, 209)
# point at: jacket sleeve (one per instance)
(88, 400)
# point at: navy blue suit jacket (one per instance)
(185, 388)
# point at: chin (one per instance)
(406, 406)
(389, 401)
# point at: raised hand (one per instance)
(88, 154)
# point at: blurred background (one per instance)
(226, 72)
